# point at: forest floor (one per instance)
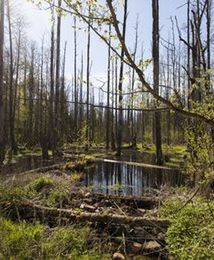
(117, 227)
(54, 195)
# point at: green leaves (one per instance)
(191, 234)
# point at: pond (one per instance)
(125, 179)
(25, 163)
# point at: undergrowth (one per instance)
(21, 240)
(36, 241)
(191, 233)
(49, 190)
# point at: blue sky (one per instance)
(39, 23)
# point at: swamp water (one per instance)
(25, 163)
(125, 179)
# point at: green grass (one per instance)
(48, 189)
(36, 241)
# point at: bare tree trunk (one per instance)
(112, 111)
(155, 54)
(2, 120)
(51, 106)
(75, 80)
(108, 92)
(133, 133)
(120, 86)
(116, 97)
(16, 105)
(88, 86)
(63, 97)
(43, 109)
(81, 92)
(31, 95)
(13, 147)
(57, 91)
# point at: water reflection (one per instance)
(25, 163)
(113, 178)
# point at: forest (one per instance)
(106, 129)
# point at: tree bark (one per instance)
(120, 86)
(2, 120)
(155, 55)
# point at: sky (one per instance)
(39, 23)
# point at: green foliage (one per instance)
(11, 192)
(199, 144)
(76, 177)
(81, 139)
(49, 190)
(35, 241)
(67, 242)
(191, 234)
(41, 183)
(21, 241)
(80, 164)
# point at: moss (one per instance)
(78, 165)
(49, 190)
(76, 177)
(41, 183)
(57, 196)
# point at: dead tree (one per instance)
(57, 90)
(75, 80)
(13, 146)
(120, 86)
(155, 55)
(63, 97)
(51, 100)
(88, 86)
(108, 92)
(1, 82)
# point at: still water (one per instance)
(25, 163)
(114, 178)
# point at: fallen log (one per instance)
(44, 169)
(28, 209)
(135, 202)
(139, 164)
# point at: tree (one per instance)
(155, 55)
(1, 82)
(88, 84)
(120, 85)
(57, 90)
(52, 83)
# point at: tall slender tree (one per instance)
(120, 86)
(1, 82)
(155, 55)
(88, 84)
(57, 90)
(108, 92)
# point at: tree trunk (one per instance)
(120, 86)
(108, 93)
(88, 87)
(2, 120)
(155, 54)
(13, 148)
(57, 90)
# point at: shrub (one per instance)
(191, 234)
(42, 183)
